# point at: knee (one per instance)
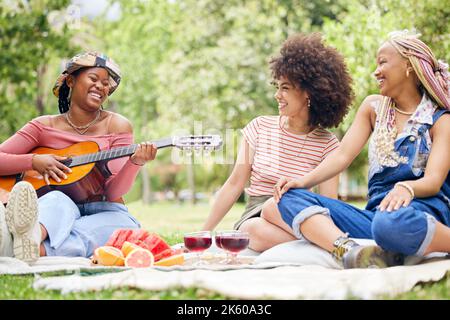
(269, 210)
(395, 230)
(252, 226)
(54, 201)
(54, 196)
(382, 227)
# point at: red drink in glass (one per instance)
(197, 243)
(234, 243)
(218, 244)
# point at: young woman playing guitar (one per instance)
(56, 224)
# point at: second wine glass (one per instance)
(234, 242)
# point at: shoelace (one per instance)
(341, 246)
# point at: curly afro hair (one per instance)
(319, 70)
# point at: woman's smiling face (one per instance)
(90, 87)
(291, 100)
(391, 70)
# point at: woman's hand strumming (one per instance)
(50, 166)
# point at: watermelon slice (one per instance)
(137, 236)
(147, 240)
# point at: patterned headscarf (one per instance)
(90, 59)
(432, 73)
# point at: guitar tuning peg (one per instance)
(207, 150)
(187, 151)
(197, 150)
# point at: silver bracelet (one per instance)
(407, 187)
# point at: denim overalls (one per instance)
(408, 230)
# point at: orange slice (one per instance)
(127, 247)
(139, 258)
(177, 259)
(109, 256)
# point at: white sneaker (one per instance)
(22, 221)
(6, 243)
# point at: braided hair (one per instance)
(64, 94)
(63, 98)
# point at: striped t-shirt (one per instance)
(279, 153)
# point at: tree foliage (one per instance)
(27, 42)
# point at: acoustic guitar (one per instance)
(89, 169)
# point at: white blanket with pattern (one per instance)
(267, 276)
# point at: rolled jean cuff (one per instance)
(305, 214)
(431, 229)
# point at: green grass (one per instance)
(171, 220)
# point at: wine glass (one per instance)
(218, 237)
(198, 242)
(233, 242)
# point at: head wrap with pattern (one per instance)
(432, 73)
(90, 59)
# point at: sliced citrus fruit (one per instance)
(109, 256)
(139, 258)
(177, 259)
(127, 247)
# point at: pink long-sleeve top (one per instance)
(15, 156)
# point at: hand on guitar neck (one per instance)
(145, 151)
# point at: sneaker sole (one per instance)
(2, 221)
(21, 215)
(371, 257)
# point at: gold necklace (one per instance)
(82, 129)
(303, 144)
(286, 126)
(402, 112)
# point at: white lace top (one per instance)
(422, 115)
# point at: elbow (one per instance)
(436, 189)
(343, 159)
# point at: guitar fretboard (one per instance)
(112, 153)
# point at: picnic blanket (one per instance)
(260, 277)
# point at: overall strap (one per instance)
(439, 112)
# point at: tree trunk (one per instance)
(40, 90)
(146, 188)
(343, 186)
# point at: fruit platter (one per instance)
(137, 248)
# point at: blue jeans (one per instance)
(77, 230)
(408, 230)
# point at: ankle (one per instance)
(43, 232)
(342, 245)
(42, 252)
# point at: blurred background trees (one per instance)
(195, 66)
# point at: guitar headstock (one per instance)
(197, 143)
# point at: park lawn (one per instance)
(171, 220)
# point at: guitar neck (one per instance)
(111, 154)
